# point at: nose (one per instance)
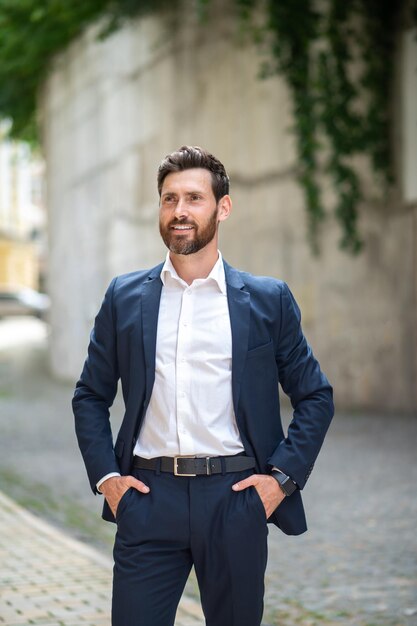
(181, 209)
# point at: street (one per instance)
(357, 564)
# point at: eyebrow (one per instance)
(188, 193)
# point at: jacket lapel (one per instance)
(239, 311)
(151, 295)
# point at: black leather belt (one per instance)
(196, 466)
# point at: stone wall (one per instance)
(112, 109)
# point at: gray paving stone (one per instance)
(357, 565)
(26, 599)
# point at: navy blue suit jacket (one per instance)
(268, 347)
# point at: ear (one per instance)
(224, 208)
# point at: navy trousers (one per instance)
(186, 521)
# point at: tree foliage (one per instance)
(336, 56)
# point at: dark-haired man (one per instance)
(200, 463)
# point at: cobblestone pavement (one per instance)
(49, 579)
(357, 565)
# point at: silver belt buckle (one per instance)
(176, 472)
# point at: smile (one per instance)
(182, 227)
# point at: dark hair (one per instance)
(188, 157)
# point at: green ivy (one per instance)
(339, 114)
(33, 31)
(338, 64)
(295, 26)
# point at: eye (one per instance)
(168, 199)
(195, 197)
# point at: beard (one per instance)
(191, 241)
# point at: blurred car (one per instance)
(24, 302)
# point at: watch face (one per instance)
(285, 482)
(288, 486)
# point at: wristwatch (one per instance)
(287, 485)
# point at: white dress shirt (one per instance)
(191, 408)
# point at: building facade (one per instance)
(22, 215)
(112, 109)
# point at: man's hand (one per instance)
(115, 487)
(268, 489)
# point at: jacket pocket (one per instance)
(260, 351)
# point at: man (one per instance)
(200, 463)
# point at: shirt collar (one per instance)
(217, 273)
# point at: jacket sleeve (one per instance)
(309, 391)
(94, 395)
